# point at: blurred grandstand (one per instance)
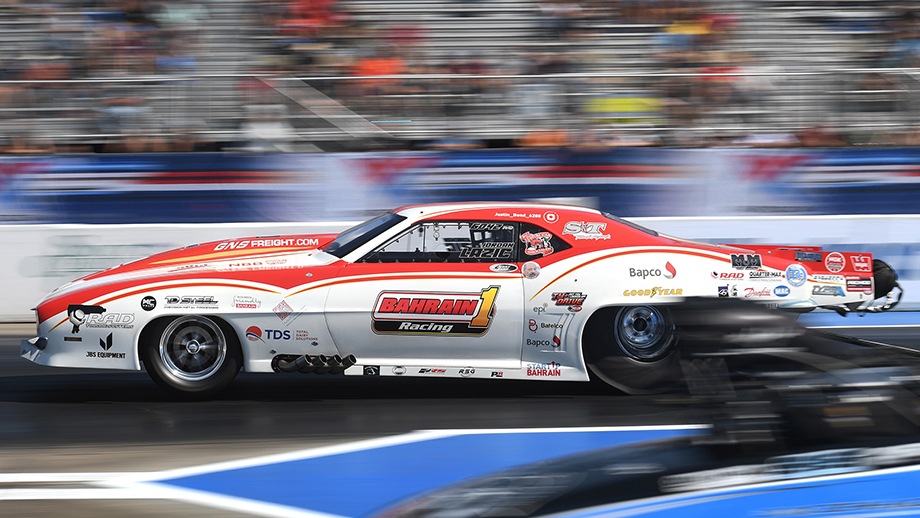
(302, 75)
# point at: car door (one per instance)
(441, 293)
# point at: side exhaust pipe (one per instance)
(345, 363)
(307, 364)
(291, 365)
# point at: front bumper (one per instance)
(32, 348)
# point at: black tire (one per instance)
(885, 278)
(192, 356)
(696, 326)
(633, 348)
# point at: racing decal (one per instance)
(257, 334)
(148, 303)
(530, 270)
(540, 343)
(544, 370)
(727, 276)
(861, 263)
(754, 292)
(586, 230)
(833, 279)
(467, 372)
(796, 275)
(835, 262)
(503, 268)
(764, 275)
(246, 302)
(728, 291)
(550, 217)
(812, 257)
(669, 272)
(283, 310)
(496, 374)
(403, 312)
(265, 243)
(106, 344)
(97, 317)
(568, 298)
(782, 291)
(746, 261)
(654, 292)
(190, 301)
(859, 284)
(828, 291)
(532, 325)
(424, 370)
(497, 250)
(538, 243)
(522, 215)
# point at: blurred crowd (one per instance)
(301, 75)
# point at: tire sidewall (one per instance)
(195, 389)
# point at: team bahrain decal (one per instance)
(421, 312)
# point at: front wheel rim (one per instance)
(192, 348)
(644, 332)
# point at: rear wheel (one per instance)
(633, 348)
(638, 349)
(192, 356)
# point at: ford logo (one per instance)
(781, 291)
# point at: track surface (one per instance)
(71, 421)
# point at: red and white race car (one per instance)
(478, 290)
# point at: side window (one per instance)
(538, 242)
(440, 241)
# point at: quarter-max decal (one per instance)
(402, 312)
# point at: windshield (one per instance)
(359, 234)
(629, 224)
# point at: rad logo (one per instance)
(727, 276)
(96, 317)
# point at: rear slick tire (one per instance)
(633, 348)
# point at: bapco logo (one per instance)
(669, 272)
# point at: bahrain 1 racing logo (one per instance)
(413, 312)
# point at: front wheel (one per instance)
(192, 356)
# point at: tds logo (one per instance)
(256, 334)
(403, 312)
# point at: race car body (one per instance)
(501, 291)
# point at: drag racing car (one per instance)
(475, 290)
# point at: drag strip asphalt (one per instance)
(70, 439)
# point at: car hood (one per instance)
(258, 259)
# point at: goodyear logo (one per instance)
(403, 312)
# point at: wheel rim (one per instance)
(192, 348)
(644, 332)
